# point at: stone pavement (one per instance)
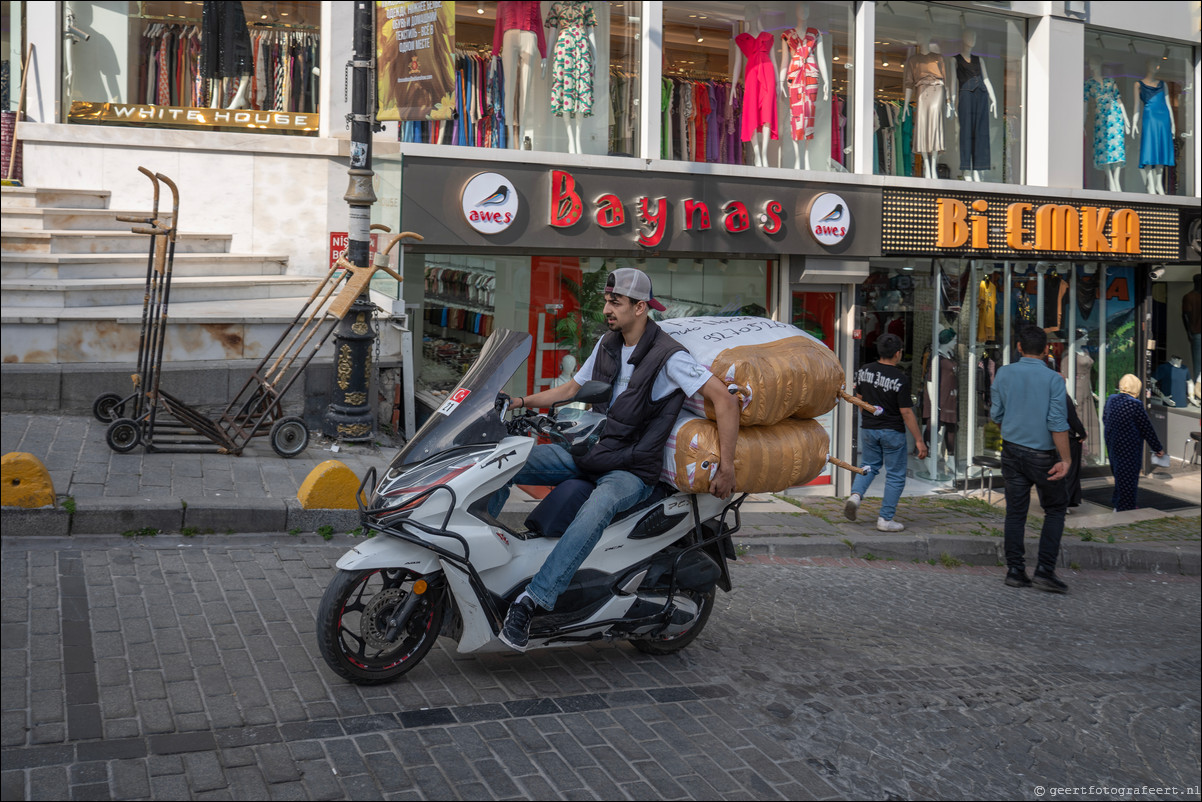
(102, 492)
(186, 668)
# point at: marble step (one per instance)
(196, 331)
(49, 197)
(40, 293)
(68, 266)
(18, 218)
(19, 242)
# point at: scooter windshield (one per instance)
(469, 416)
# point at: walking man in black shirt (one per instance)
(883, 436)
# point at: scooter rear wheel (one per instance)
(674, 643)
(353, 623)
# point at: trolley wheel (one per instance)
(123, 435)
(107, 407)
(289, 436)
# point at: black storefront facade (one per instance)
(524, 246)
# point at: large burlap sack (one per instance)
(768, 459)
(777, 369)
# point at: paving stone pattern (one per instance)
(175, 668)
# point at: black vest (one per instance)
(636, 428)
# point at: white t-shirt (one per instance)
(681, 370)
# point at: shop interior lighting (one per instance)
(480, 6)
(700, 38)
(1165, 57)
(1131, 47)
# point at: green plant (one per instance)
(356, 532)
(183, 504)
(577, 331)
(868, 555)
(294, 531)
(189, 531)
(1087, 535)
(145, 531)
(1110, 538)
(326, 531)
(741, 549)
(948, 561)
(69, 505)
(1074, 566)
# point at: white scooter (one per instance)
(438, 564)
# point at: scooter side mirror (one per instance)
(593, 392)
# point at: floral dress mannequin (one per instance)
(572, 64)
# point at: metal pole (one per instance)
(349, 416)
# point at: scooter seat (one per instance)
(662, 491)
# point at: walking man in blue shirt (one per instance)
(1029, 405)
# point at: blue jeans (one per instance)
(616, 491)
(883, 447)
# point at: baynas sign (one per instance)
(1049, 227)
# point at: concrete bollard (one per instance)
(25, 480)
(329, 486)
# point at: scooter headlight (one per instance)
(402, 489)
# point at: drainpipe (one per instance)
(349, 416)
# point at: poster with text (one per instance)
(415, 44)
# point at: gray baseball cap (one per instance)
(634, 284)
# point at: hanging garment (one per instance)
(802, 78)
(572, 61)
(759, 92)
(986, 304)
(972, 107)
(225, 39)
(521, 16)
(1108, 129)
(1087, 405)
(1156, 138)
(924, 73)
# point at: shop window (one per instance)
(948, 93)
(1174, 373)
(234, 66)
(463, 298)
(1139, 115)
(559, 76)
(777, 97)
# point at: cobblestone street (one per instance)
(172, 668)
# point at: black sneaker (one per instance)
(515, 632)
(1017, 578)
(1047, 580)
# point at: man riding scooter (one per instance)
(651, 375)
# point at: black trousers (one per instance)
(1021, 468)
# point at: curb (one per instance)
(106, 516)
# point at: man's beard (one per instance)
(612, 324)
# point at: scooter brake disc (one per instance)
(375, 617)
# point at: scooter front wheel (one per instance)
(377, 624)
(674, 643)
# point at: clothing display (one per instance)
(986, 308)
(623, 111)
(697, 124)
(1087, 406)
(893, 140)
(972, 106)
(759, 85)
(1108, 129)
(225, 41)
(924, 73)
(280, 73)
(838, 132)
(949, 392)
(802, 78)
(1172, 382)
(521, 16)
(1156, 135)
(479, 102)
(572, 61)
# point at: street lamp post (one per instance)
(349, 416)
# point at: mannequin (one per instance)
(1156, 143)
(573, 45)
(225, 50)
(518, 31)
(1083, 395)
(1191, 319)
(926, 71)
(971, 85)
(759, 84)
(801, 75)
(949, 407)
(567, 370)
(1109, 125)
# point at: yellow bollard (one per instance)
(26, 482)
(329, 486)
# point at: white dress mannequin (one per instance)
(947, 351)
(755, 26)
(573, 121)
(1153, 174)
(801, 149)
(925, 48)
(1113, 170)
(968, 39)
(518, 51)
